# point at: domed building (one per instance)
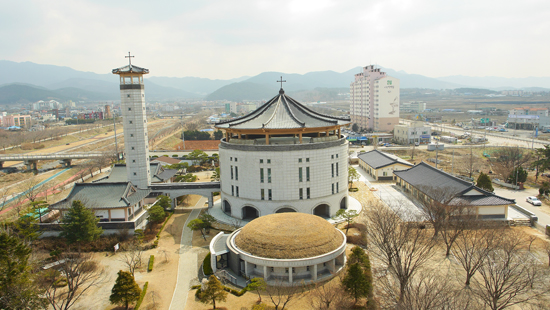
(282, 248)
(283, 157)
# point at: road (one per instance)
(520, 196)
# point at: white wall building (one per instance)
(283, 157)
(374, 100)
(409, 134)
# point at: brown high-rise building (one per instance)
(108, 113)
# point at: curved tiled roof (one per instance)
(440, 185)
(130, 69)
(283, 112)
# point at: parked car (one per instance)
(533, 200)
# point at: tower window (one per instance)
(135, 173)
(268, 175)
(299, 160)
(128, 95)
(237, 191)
(236, 173)
(232, 190)
(301, 191)
(261, 175)
(129, 109)
(269, 194)
(133, 148)
(261, 161)
(231, 172)
(133, 160)
(307, 193)
(131, 135)
(300, 174)
(269, 161)
(262, 194)
(130, 122)
(307, 174)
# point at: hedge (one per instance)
(156, 242)
(141, 296)
(151, 262)
(225, 288)
(206, 267)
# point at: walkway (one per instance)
(187, 265)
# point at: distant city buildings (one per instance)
(413, 107)
(374, 100)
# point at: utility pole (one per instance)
(114, 128)
(453, 163)
(436, 151)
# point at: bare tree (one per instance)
(32, 188)
(468, 163)
(511, 276)
(403, 246)
(473, 245)
(5, 193)
(508, 158)
(328, 296)
(132, 258)
(281, 294)
(429, 290)
(81, 273)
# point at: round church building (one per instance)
(281, 248)
(283, 157)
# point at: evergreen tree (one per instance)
(258, 285)
(165, 202)
(125, 291)
(355, 127)
(347, 215)
(484, 182)
(355, 282)
(518, 175)
(156, 213)
(213, 292)
(17, 290)
(218, 135)
(80, 224)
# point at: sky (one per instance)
(223, 39)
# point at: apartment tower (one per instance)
(374, 100)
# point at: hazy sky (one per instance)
(231, 38)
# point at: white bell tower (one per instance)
(136, 142)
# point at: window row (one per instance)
(235, 173)
(262, 175)
(337, 188)
(231, 159)
(300, 174)
(234, 191)
(332, 166)
(269, 194)
(262, 161)
(301, 193)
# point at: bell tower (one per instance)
(136, 142)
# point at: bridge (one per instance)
(32, 159)
(175, 190)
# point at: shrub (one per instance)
(26, 146)
(154, 156)
(151, 262)
(354, 189)
(206, 267)
(234, 291)
(175, 155)
(195, 287)
(141, 296)
(164, 155)
(198, 292)
(37, 146)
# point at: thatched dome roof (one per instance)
(289, 236)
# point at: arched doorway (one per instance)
(250, 213)
(322, 210)
(285, 210)
(344, 203)
(226, 207)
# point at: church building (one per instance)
(283, 157)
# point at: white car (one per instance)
(533, 200)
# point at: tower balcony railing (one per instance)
(285, 140)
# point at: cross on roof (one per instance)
(281, 81)
(129, 58)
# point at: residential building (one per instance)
(416, 132)
(528, 118)
(23, 121)
(374, 100)
(381, 165)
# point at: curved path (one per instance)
(187, 265)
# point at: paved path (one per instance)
(187, 265)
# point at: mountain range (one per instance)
(25, 82)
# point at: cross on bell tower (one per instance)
(129, 58)
(281, 91)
